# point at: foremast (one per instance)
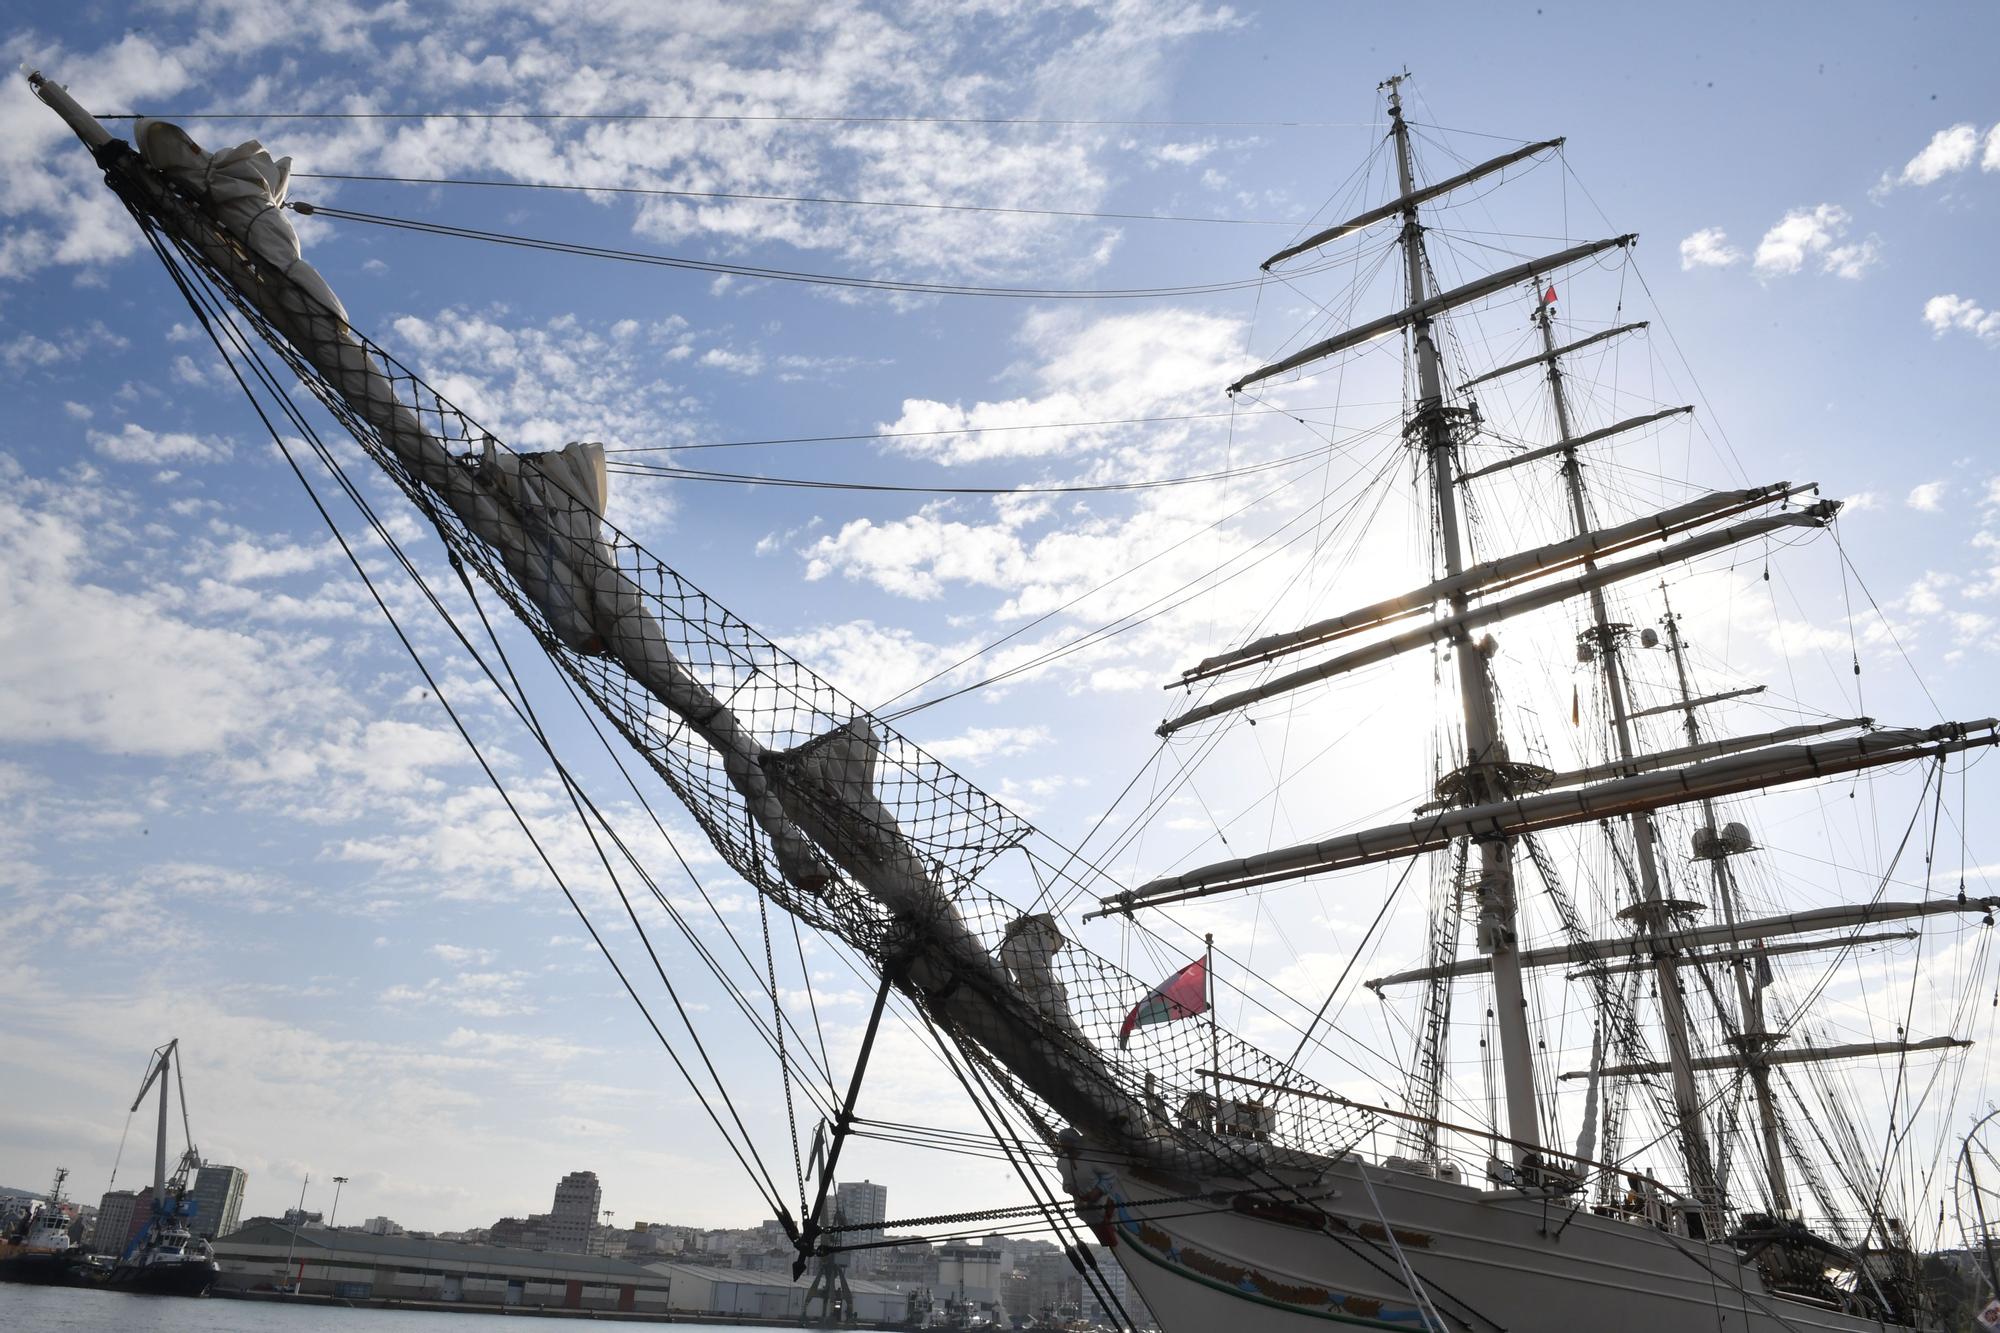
(1605, 639)
(1485, 750)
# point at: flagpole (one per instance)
(1214, 1032)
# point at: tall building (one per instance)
(121, 1215)
(574, 1217)
(863, 1204)
(218, 1198)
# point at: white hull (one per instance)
(1487, 1260)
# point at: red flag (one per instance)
(1182, 995)
(1549, 296)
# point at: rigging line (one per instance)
(671, 473)
(401, 557)
(1381, 913)
(1167, 601)
(1152, 610)
(977, 430)
(967, 1077)
(583, 250)
(1077, 851)
(825, 1068)
(788, 198)
(757, 117)
(1890, 1139)
(784, 1064)
(521, 820)
(812, 1000)
(578, 800)
(325, 456)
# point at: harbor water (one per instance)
(29, 1309)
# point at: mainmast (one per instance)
(1756, 1038)
(1484, 749)
(1605, 638)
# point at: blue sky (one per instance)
(233, 814)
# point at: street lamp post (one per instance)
(333, 1232)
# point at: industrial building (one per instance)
(698, 1289)
(361, 1266)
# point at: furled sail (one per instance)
(1845, 917)
(1432, 306)
(1817, 515)
(1411, 200)
(1506, 819)
(1500, 573)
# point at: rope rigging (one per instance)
(650, 259)
(645, 191)
(672, 472)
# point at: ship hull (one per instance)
(1484, 1259)
(186, 1279)
(34, 1268)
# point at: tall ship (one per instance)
(38, 1248)
(1704, 1164)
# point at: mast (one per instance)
(1483, 747)
(1673, 1007)
(1750, 997)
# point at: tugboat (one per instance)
(38, 1247)
(166, 1258)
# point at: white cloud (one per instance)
(1948, 152)
(67, 675)
(1708, 248)
(1181, 154)
(1928, 497)
(1990, 159)
(988, 743)
(1952, 311)
(736, 363)
(1107, 58)
(480, 994)
(1147, 364)
(458, 955)
(1851, 261)
(1806, 233)
(135, 444)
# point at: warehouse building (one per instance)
(360, 1266)
(698, 1289)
